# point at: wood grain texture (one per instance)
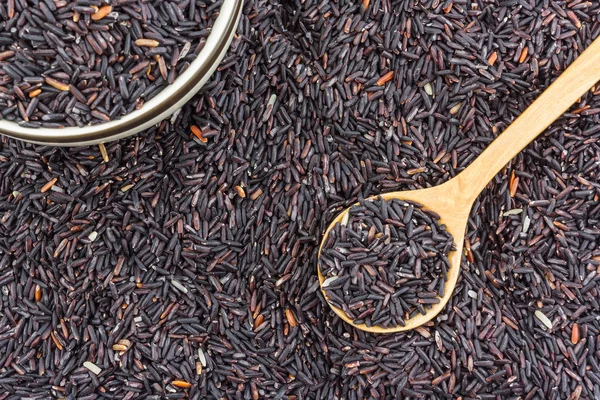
(453, 199)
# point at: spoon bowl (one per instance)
(453, 200)
(441, 200)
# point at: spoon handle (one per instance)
(581, 75)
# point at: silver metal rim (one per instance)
(155, 110)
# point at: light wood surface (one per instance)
(453, 199)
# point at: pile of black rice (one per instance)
(386, 261)
(170, 265)
(85, 62)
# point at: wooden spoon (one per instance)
(453, 199)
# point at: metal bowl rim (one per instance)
(171, 98)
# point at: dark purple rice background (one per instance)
(190, 256)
